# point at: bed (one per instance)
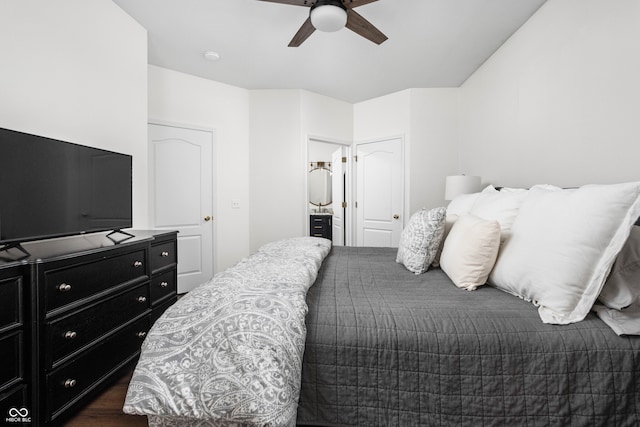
(387, 347)
(302, 333)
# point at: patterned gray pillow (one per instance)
(420, 239)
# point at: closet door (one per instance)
(380, 193)
(181, 196)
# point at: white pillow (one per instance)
(562, 246)
(462, 204)
(546, 187)
(470, 251)
(448, 223)
(501, 206)
(490, 189)
(420, 239)
(622, 287)
(512, 190)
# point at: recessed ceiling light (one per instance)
(211, 56)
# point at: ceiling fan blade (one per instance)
(359, 25)
(303, 33)
(350, 4)
(307, 3)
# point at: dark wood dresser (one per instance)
(83, 306)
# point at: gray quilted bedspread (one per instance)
(386, 347)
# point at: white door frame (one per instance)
(356, 144)
(348, 216)
(339, 194)
(214, 202)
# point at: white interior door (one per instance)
(380, 193)
(181, 196)
(338, 178)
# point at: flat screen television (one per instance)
(51, 188)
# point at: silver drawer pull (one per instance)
(63, 287)
(70, 335)
(164, 284)
(142, 298)
(164, 253)
(70, 383)
(141, 334)
(137, 264)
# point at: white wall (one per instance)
(559, 102)
(184, 99)
(427, 119)
(320, 151)
(433, 148)
(386, 116)
(281, 123)
(278, 203)
(326, 117)
(77, 71)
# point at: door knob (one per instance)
(207, 218)
(396, 216)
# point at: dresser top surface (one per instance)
(44, 250)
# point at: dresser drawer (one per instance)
(162, 286)
(10, 303)
(11, 360)
(79, 281)
(163, 255)
(71, 333)
(71, 381)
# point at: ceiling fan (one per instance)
(332, 15)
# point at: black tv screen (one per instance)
(51, 188)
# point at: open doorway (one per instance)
(329, 190)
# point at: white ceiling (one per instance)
(432, 43)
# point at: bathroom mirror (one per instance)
(320, 184)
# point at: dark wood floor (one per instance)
(106, 410)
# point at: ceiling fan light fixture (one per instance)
(328, 15)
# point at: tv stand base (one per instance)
(118, 231)
(18, 246)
